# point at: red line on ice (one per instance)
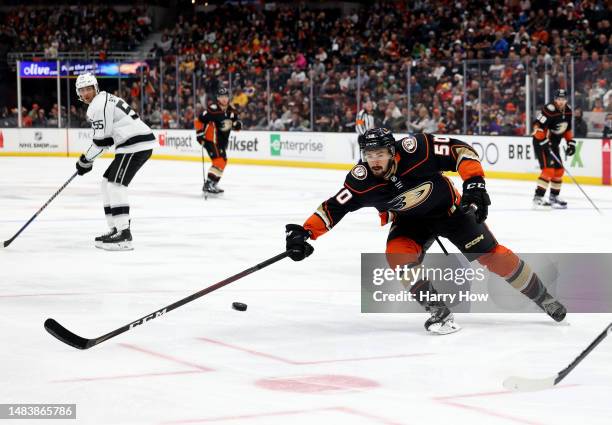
(166, 357)
(296, 362)
(140, 375)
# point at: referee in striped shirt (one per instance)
(364, 122)
(365, 118)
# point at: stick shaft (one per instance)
(582, 355)
(82, 343)
(9, 241)
(573, 179)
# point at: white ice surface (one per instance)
(302, 353)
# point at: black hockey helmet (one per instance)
(222, 91)
(560, 94)
(376, 138)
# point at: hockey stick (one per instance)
(204, 173)
(572, 177)
(9, 241)
(67, 337)
(527, 384)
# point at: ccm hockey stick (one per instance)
(72, 339)
(572, 177)
(9, 241)
(528, 384)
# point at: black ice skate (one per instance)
(557, 202)
(212, 188)
(98, 240)
(539, 203)
(552, 307)
(442, 321)
(119, 241)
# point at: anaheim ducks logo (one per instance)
(411, 198)
(226, 125)
(560, 128)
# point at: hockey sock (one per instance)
(107, 204)
(555, 186)
(503, 262)
(423, 292)
(213, 175)
(542, 186)
(120, 209)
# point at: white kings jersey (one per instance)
(115, 123)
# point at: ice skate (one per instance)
(552, 307)
(211, 188)
(557, 203)
(119, 241)
(98, 240)
(539, 203)
(442, 320)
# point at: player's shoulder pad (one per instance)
(213, 107)
(550, 107)
(98, 103)
(359, 178)
(408, 144)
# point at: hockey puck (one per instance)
(239, 306)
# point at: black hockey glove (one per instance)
(296, 237)
(237, 125)
(83, 166)
(200, 137)
(475, 193)
(571, 147)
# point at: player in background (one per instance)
(116, 124)
(403, 180)
(365, 120)
(552, 123)
(213, 128)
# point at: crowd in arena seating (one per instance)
(76, 28)
(462, 64)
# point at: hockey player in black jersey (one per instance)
(213, 128)
(552, 123)
(404, 181)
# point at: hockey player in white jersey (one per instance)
(116, 124)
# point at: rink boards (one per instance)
(502, 156)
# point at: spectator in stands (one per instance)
(607, 131)
(580, 125)
(423, 124)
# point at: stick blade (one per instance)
(515, 383)
(67, 337)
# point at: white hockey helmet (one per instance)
(86, 80)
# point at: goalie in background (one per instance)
(213, 128)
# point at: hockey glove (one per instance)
(296, 237)
(475, 193)
(83, 166)
(571, 147)
(200, 137)
(237, 125)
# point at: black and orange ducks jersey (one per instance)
(415, 186)
(214, 124)
(553, 124)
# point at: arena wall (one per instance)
(502, 157)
